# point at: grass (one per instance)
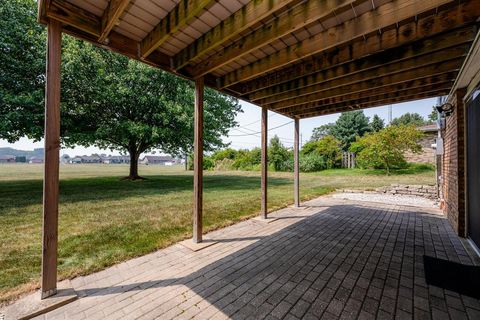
(103, 220)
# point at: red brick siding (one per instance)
(453, 167)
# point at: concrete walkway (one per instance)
(333, 259)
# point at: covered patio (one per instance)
(299, 58)
(332, 259)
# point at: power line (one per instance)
(255, 133)
(256, 121)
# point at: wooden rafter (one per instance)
(183, 13)
(298, 17)
(241, 20)
(111, 16)
(360, 84)
(70, 14)
(321, 111)
(426, 84)
(381, 97)
(341, 76)
(266, 85)
(384, 16)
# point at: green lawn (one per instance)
(104, 220)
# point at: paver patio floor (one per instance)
(333, 259)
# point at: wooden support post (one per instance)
(296, 169)
(264, 163)
(52, 154)
(198, 163)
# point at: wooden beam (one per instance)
(111, 16)
(296, 18)
(52, 158)
(70, 14)
(349, 107)
(371, 97)
(296, 165)
(241, 20)
(362, 89)
(458, 38)
(83, 25)
(366, 80)
(198, 163)
(370, 22)
(183, 13)
(264, 163)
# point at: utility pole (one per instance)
(389, 114)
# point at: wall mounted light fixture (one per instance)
(445, 109)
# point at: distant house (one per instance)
(116, 160)
(75, 160)
(35, 160)
(162, 160)
(7, 159)
(94, 158)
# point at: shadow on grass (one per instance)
(29, 192)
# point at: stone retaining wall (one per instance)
(429, 192)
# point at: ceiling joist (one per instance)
(298, 17)
(111, 17)
(180, 16)
(390, 89)
(359, 84)
(241, 20)
(350, 106)
(280, 81)
(342, 76)
(370, 22)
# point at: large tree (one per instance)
(22, 69)
(386, 148)
(377, 123)
(107, 100)
(350, 125)
(321, 131)
(409, 119)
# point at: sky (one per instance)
(246, 135)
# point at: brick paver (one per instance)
(333, 259)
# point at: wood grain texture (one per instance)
(111, 16)
(52, 158)
(370, 22)
(198, 163)
(183, 13)
(296, 163)
(264, 163)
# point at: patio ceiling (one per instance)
(298, 58)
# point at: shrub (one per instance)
(312, 162)
(385, 149)
(328, 147)
(225, 164)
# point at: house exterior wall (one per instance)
(427, 155)
(453, 165)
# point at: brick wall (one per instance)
(427, 155)
(453, 166)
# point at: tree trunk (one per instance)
(134, 167)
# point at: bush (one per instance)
(312, 162)
(385, 149)
(225, 164)
(246, 159)
(208, 163)
(328, 147)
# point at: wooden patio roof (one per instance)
(300, 58)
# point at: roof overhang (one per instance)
(300, 58)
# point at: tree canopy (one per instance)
(22, 69)
(385, 148)
(107, 100)
(350, 125)
(377, 123)
(321, 131)
(409, 119)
